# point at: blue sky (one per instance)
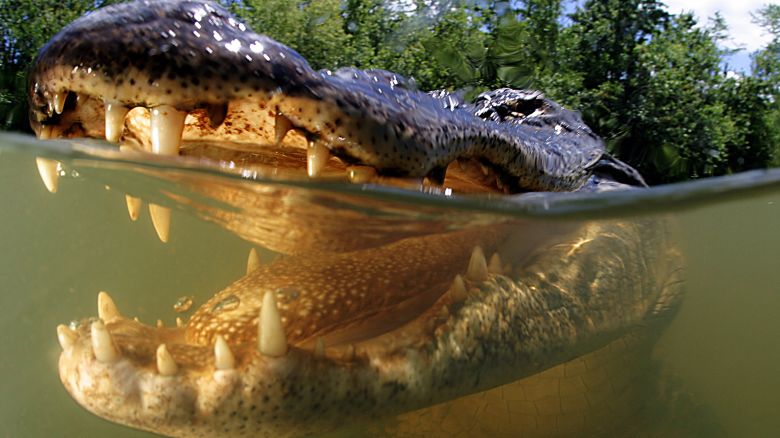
(744, 35)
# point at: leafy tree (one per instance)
(766, 67)
(25, 26)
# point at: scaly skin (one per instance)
(375, 318)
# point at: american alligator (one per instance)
(362, 319)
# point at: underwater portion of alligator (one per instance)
(363, 318)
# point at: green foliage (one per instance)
(25, 26)
(648, 81)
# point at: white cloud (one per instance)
(743, 32)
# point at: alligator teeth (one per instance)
(217, 114)
(458, 289)
(317, 156)
(66, 336)
(360, 174)
(179, 322)
(477, 270)
(107, 310)
(253, 261)
(50, 173)
(46, 132)
(59, 101)
(319, 347)
(223, 357)
(102, 344)
(166, 366)
(272, 341)
(495, 266)
(115, 121)
(160, 323)
(167, 128)
(161, 219)
(133, 207)
(282, 125)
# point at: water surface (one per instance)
(58, 250)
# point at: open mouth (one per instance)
(377, 320)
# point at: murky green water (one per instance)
(59, 250)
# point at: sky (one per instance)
(743, 33)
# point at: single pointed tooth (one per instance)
(223, 357)
(495, 266)
(160, 323)
(133, 207)
(360, 174)
(107, 310)
(272, 341)
(217, 114)
(282, 125)
(115, 121)
(102, 344)
(319, 347)
(50, 173)
(46, 132)
(317, 156)
(179, 322)
(166, 366)
(161, 219)
(458, 289)
(253, 261)
(477, 270)
(59, 101)
(167, 128)
(66, 336)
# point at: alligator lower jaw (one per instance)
(183, 381)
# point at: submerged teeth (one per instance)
(133, 207)
(167, 128)
(161, 219)
(166, 366)
(271, 339)
(253, 261)
(317, 156)
(282, 125)
(223, 357)
(50, 173)
(360, 174)
(477, 270)
(102, 344)
(458, 289)
(495, 266)
(115, 121)
(107, 310)
(66, 336)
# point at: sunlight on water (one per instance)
(717, 360)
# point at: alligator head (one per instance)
(363, 319)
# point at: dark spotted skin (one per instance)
(193, 54)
